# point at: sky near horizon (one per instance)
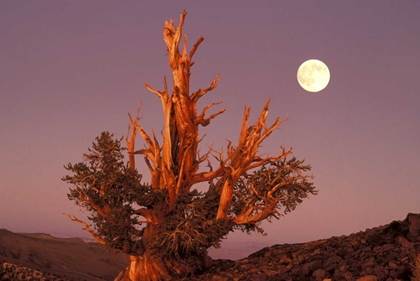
(72, 69)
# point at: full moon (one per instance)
(313, 75)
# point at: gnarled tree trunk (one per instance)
(151, 266)
(144, 268)
(148, 267)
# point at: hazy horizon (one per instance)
(71, 69)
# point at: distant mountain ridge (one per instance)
(70, 257)
(380, 253)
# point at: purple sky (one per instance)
(72, 69)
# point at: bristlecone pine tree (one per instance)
(166, 226)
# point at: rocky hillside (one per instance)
(381, 253)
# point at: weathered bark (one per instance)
(148, 267)
(244, 157)
(174, 164)
(144, 268)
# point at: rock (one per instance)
(310, 267)
(413, 227)
(261, 277)
(208, 261)
(367, 264)
(348, 276)
(368, 278)
(319, 274)
(219, 278)
(332, 262)
(404, 242)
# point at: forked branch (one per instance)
(87, 228)
(244, 156)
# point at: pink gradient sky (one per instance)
(72, 69)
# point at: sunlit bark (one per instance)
(173, 164)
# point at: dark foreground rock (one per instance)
(13, 272)
(381, 253)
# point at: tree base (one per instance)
(144, 268)
(148, 268)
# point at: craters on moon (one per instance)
(313, 75)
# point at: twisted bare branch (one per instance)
(87, 228)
